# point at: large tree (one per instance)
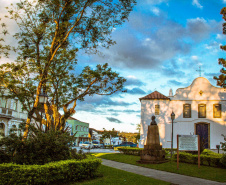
(51, 34)
(221, 79)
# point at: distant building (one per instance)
(80, 129)
(11, 115)
(95, 134)
(199, 109)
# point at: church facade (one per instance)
(199, 109)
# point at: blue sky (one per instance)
(161, 47)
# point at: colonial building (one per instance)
(11, 115)
(80, 129)
(199, 109)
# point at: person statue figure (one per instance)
(153, 122)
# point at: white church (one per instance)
(199, 109)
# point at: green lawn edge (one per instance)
(112, 176)
(205, 172)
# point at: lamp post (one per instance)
(172, 118)
(42, 99)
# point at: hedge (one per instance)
(206, 158)
(130, 150)
(60, 171)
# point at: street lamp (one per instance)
(172, 118)
(43, 98)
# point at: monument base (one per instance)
(152, 155)
(151, 162)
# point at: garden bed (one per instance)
(60, 171)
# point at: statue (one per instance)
(153, 152)
(153, 122)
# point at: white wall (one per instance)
(186, 126)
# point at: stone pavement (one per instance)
(161, 175)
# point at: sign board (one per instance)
(188, 142)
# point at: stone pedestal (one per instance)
(152, 152)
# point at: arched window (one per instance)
(187, 110)
(76, 128)
(202, 110)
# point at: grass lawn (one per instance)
(112, 176)
(205, 172)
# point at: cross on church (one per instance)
(200, 71)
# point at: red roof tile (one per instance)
(155, 95)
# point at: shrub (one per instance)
(223, 160)
(60, 171)
(207, 157)
(223, 144)
(130, 150)
(39, 148)
(78, 155)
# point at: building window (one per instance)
(3, 102)
(157, 109)
(217, 110)
(187, 111)
(15, 105)
(202, 110)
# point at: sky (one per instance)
(161, 47)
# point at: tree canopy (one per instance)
(51, 34)
(221, 79)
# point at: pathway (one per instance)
(161, 175)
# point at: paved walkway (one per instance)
(161, 175)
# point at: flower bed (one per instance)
(60, 171)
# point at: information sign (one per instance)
(188, 142)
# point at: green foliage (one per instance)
(223, 160)
(221, 79)
(109, 133)
(38, 148)
(223, 144)
(130, 150)
(51, 34)
(77, 155)
(205, 172)
(130, 137)
(206, 158)
(61, 171)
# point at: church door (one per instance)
(202, 129)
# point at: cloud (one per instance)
(155, 45)
(96, 102)
(199, 29)
(136, 91)
(175, 82)
(150, 40)
(197, 4)
(173, 69)
(155, 11)
(129, 111)
(133, 81)
(111, 119)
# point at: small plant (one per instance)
(223, 144)
(223, 160)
